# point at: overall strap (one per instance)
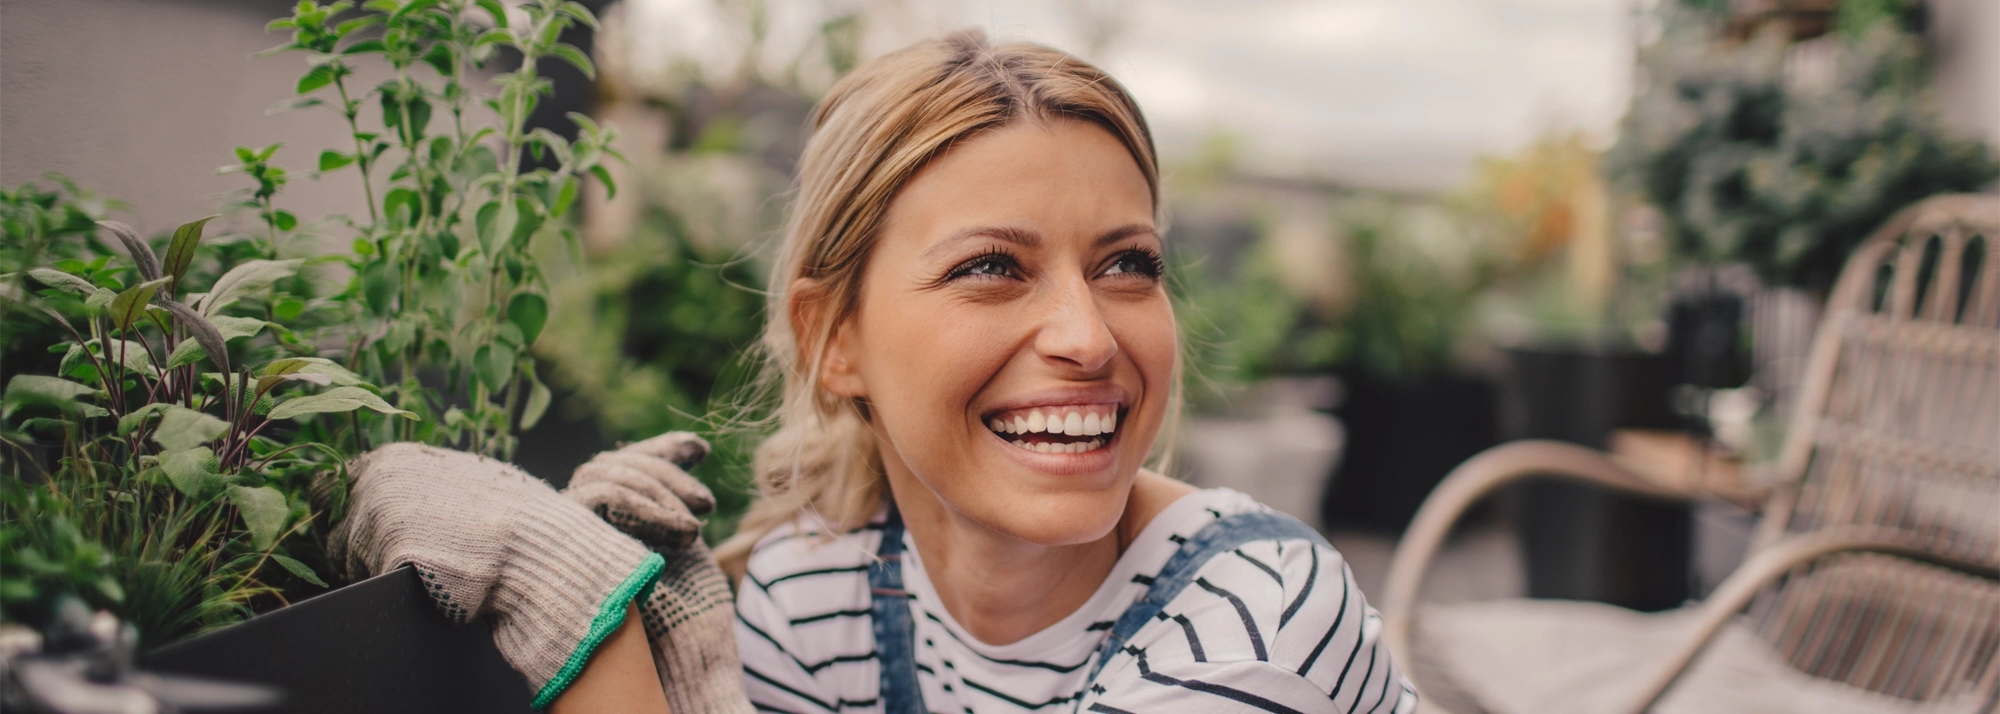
(1221, 536)
(895, 634)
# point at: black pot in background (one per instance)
(1585, 542)
(374, 646)
(1403, 436)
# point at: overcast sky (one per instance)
(1390, 93)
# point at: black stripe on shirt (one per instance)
(831, 615)
(1103, 708)
(1187, 628)
(1275, 577)
(1018, 702)
(1238, 695)
(1242, 611)
(809, 668)
(1339, 615)
(765, 585)
(1051, 666)
(1374, 653)
(838, 704)
(1311, 575)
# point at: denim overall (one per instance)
(895, 634)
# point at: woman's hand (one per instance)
(644, 489)
(491, 541)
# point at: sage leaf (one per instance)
(131, 422)
(264, 512)
(26, 389)
(62, 281)
(180, 251)
(131, 303)
(184, 428)
(337, 399)
(192, 471)
(149, 264)
(205, 333)
(100, 300)
(240, 281)
(295, 567)
(574, 56)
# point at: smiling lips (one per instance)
(1057, 430)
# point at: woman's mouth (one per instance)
(1067, 429)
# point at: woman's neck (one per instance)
(1002, 589)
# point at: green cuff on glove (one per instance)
(610, 616)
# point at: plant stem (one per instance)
(361, 157)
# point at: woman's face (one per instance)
(1014, 339)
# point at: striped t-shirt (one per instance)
(1273, 626)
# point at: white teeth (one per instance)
(997, 425)
(1023, 445)
(1073, 425)
(1111, 422)
(1091, 427)
(1020, 425)
(1035, 422)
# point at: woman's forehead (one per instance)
(1026, 182)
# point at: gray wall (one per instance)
(142, 100)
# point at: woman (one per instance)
(976, 353)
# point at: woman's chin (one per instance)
(1059, 519)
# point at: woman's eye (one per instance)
(1135, 262)
(988, 266)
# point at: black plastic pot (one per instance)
(1403, 436)
(374, 646)
(1584, 542)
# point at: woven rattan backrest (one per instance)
(1898, 427)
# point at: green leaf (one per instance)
(494, 367)
(264, 512)
(603, 176)
(297, 568)
(491, 227)
(492, 7)
(184, 428)
(192, 471)
(412, 6)
(572, 55)
(131, 303)
(100, 300)
(240, 281)
(330, 160)
(564, 197)
(131, 422)
(288, 308)
(337, 399)
(284, 220)
(347, 28)
(490, 37)
(61, 281)
(530, 312)
(363, 47)
(142, 254)
(400, 206)
(581, 13)
(379, 283)
(26, 389)
(318, 76)
(538, 401)
(180, 251)
(528, 221)
(128, 354)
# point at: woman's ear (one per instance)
(839, 373)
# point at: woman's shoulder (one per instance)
(809, 546)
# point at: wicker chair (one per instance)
(1873, 579)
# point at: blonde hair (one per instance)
(874, 130)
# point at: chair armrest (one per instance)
(1766, 566)
(1478, 476)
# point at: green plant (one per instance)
(146, 471)
(446, 285)
(159, 468)
(1749, 163)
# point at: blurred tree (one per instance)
(1780, 154)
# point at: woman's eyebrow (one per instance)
(1030, 239)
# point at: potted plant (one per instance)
(196, 386)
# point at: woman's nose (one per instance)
(1074, 335)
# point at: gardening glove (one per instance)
(644, 489)
(489, 540)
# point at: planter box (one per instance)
(1404, 435)
(374, 646)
